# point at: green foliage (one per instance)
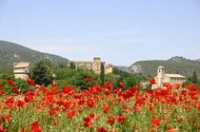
(42, 73)
(18, 83)
(76, 78)
(72, 65)
(22, 85)
(65, 76)
(131, 81)
(102, 74)
(113, 78)
(6, 76)
(123, 74)
(194, 77)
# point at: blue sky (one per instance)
(121, 32)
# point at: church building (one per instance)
(163, 78)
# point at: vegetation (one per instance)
(102, 74)
(99, 109)
(103, 103)
(42, 72)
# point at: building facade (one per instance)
(163, 78)
(21, 70)
(94, 65)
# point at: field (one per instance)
(99, 109)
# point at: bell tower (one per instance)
(160, 75)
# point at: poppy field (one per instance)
(99, 109)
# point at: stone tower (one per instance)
(97, 65)
(160, 75)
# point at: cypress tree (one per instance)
(194, 77)
(102, 74)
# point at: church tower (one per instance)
(160, 75)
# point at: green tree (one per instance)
(102, 74)
(42, 72)
(61, 65)
(22, 85)
(131, 81)
(113, 78)
(72, 65)
(194, 77)
(7, 76)
(76, 78)
(65, 76)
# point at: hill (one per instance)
(12, 52)
(176, 64)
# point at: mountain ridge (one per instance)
(11, 52)
(176, 64)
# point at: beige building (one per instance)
(21, 70)
(163, 78)
(94, 65)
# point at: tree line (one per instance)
(44, 73)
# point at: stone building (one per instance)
(94, 65)
(21, 70)
(163, 78)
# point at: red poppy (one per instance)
(108, 85)
(55, 123)
(121, 118)
(10, 82)
(155, 122)
(9, 100)
(93, 116)
(30, 81)
(67, 104)
(35, 127)
(121, 84)
(91, 103)
(88, 122)
(138, 105)
(177, 86)
(105, 109)
(71, 113)
(171, 129)
(68, 90)
(2, 129)
(152, 81)
(2, 92)
(8, 117)
(101, 129)
(53, 84)
(52, 112)
(197, 105)
(191, 87)
(16, 90)
(110, 120)
(89, 79)
(1, 84)
(95, 89)
(20, 103)
(28, 98)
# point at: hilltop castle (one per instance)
(95, 65)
